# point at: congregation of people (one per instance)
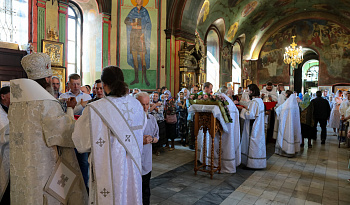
(105, 137)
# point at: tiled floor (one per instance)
(317, 175)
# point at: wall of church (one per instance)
(330, 40)
(127, 46)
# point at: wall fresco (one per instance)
(138, 49)
(330, 40)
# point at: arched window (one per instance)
(14, 21)
(74, 39)
(236, 65)
(213, 56)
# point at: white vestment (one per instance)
(253, 137)
(112, 130)
(281, 98)
(230, 143)
(4, 152)
(37, 124)
(289, 129)
(272, 93)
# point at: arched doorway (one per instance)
(306, 79)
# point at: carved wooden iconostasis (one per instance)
(192, 71)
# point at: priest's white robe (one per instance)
(115, 168)
(231, 146)
(37, 124)
(281, 100)
(253, 138)
(4, 152)
(289, 129)
(273, 93)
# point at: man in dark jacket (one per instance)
(321, 114)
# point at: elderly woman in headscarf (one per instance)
(181, 111)
(170, 119)
(334, 119)
(343, 127)
(307, 120)
(186, 93)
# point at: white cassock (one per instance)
(253, 137)
(273, 93)
(4, 152)
(37, 125)
(281, 100)
(112, 130)
(231, 146)
(289, 130)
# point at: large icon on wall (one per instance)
(55, 51)
(138, 34)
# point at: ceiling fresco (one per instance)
(256, 18)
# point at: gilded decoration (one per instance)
(191, 64)
(55, 51)
(60, 72)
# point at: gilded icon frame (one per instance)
(60, 72)
(55, 50)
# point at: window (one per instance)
(213, 55)
(236, 65)
(14, 21)
(74, 40)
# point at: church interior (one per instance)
(229, 43)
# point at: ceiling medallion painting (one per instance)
(258, 17)
(203, 14)
(232, 31)
(266, 24)
(280, 3)
(288, 12)
(249, 8)
(233, 3)
(346, 13)
(324, 7)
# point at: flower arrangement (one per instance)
(217, 99)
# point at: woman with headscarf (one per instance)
(343, 123)
(334, 119)
(186, 93)
(307, 120)
(181, 111)
(170, 119)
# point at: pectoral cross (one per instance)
(63, 180)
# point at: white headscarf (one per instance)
(183, 90)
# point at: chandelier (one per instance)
(293, 55)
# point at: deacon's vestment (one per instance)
(231, 146)
(112, 130)
(289, 130)
(37, 124)
(253, 137)
(4, 152)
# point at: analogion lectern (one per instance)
(206, 119)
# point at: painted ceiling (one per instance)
(257, 20)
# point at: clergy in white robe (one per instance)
(289, 129)
(268, 91)
(112, 130)
(4, 152)
(253, 145)
(38, 126)
(231, 146)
